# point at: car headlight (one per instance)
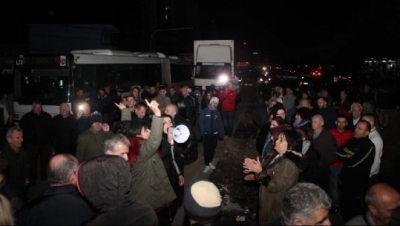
(223, 78)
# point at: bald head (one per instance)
(61, 170)
(171, 110)
(382, 199)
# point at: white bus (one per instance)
(52, 78)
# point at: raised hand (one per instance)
(153, 105)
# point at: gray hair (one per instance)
(355, 104)
(65, 104)
(320, 117)
(302, 200)
(11, 130)
(61, 172)
(111, 144)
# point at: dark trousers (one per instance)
(352, 200)
(34, 152)
(209, 144)
(228, 117)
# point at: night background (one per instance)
(342, 33)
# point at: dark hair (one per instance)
(304, 113)
(279, 120)
(105, 181)
(293, 138)
(131, 128)
(341, 115)
(367, 123)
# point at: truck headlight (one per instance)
(223, 78)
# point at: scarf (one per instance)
(134, 149)
(299, 123)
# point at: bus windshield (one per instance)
(52, 86)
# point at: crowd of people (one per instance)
(107, 157)
(110, 157)
(311, 136)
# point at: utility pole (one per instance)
(169, 29)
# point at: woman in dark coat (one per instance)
(281, 173)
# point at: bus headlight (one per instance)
(223, 78)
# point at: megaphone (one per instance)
(180, 133)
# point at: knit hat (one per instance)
(278, 130)
(214, 99)
(96, 117)
(202, 201)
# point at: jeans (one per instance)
(228, 117)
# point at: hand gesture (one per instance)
(153, 105)
(105, 127)
(252, 165)
(121, 106)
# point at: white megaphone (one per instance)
(180, 133)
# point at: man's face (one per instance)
(316, 123)
(214, 104)
(341, 123)
(386, 207)
(162, 92)
(169, 110)
(64, 111)
(37, 109)
(172, 91)
(15, 141)
(321, 103)
(79, 93)
(152, 90)
(130, 102)
(141, 112)
(120, 150)
(343, 95)
(96, 126)
(361, 130)
(184, 91)
(356, 111)
(320, 217)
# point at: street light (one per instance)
(169, 29)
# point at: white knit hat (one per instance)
(202, 201)
(214, 99)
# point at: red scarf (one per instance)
(134, 149)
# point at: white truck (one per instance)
(213, 63)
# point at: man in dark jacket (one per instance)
(36, 125)
(63, 131)
(17, 170)
(60, 204)
(357, 155)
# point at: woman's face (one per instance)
(281, 145)
(135, 92)
(167, 123)
(273, 124)
(298, 117)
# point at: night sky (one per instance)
(290, 31)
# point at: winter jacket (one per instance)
(150, 180)
(228, 100)
(275, 180)
(210, 122)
